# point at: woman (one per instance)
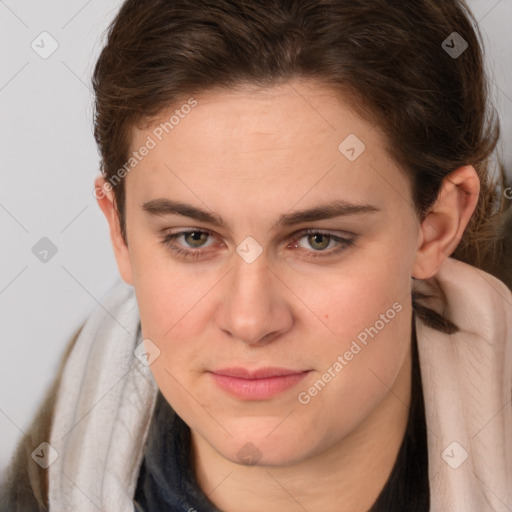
(304, 214)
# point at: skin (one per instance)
(250, 156)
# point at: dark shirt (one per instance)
(167, 481)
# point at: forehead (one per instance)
(261, 118)
(294, 139)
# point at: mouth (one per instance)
(260, 384)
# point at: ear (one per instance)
(446, 220)
(106, 201)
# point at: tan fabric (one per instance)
(467, 387)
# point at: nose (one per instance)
(253, 307)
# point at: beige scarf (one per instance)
(107, 395)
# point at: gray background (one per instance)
(48, 162)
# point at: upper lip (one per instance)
(260, 373)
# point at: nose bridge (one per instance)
(250, 286)
(252, 308)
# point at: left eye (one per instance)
(321, 241)
(318, 241)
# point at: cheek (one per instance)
(354, 300)
(358, 368)
(171, 308)
(176, 310)
(369, 318)
(172, 316)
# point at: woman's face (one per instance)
(275, 343)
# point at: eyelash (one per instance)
(196, 254)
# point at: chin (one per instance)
(250, 454)
(255, 447)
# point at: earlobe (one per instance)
(445, 222)
(106, 202)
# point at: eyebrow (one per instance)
(337, 208)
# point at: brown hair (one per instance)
(386, 58)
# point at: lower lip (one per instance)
(257, 389)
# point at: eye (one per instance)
(195, 239)
(324, 244)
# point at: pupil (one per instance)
(315, 239)
(196, 236)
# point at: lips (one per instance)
(259, 384)
(261, 373)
